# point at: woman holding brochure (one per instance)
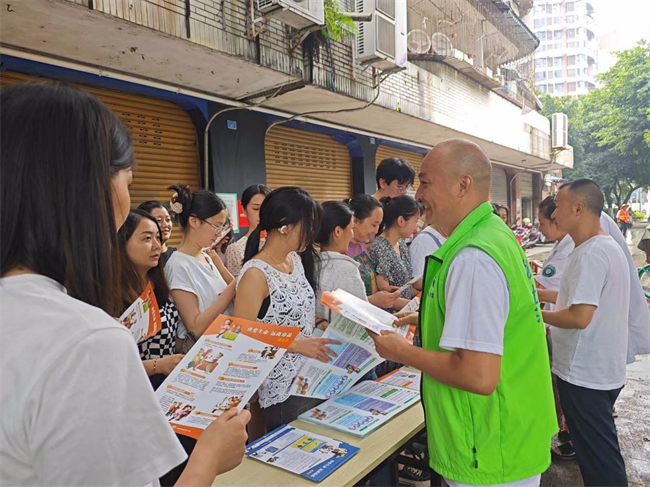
(66, 165)
(277, 286)
(389, 251)
(201, 286)
(368, 214)
(140, 246)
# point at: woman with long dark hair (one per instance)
(389, 251)
(201, 286)
(77, 406)
(277, 285)
(140, 244)
(251, 200)
(164, 220)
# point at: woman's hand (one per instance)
(407, 318)
(315, 348)
(167, 364)
(383, 299)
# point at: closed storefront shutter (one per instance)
(526, 185)
(499, 186)
(413, 158)
(313, 161)
(164, 140)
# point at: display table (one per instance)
(374, 449)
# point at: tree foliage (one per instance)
(609, 129)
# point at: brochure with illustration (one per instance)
(359, 311)
(356, 355)
(407, 378)
(142, 318)
(408, 284)
(364, 408)
(301, 452)
(222, 371)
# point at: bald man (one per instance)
(589, 333)
(486, 387)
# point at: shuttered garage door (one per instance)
(413, 158)
(499, 186)
(313, 161)
(164, 139)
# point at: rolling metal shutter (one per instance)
(164, 140)
(413, 158)
(313, 161)
(499, 186)
(526, 184)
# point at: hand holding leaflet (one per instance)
(222, 371)
(142, 318)
(358, 310)
(409, 284)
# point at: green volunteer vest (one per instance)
(505, 436)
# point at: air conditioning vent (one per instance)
(559, 131)
(299, 14)
(382, 41)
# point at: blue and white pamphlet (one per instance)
(301, 452)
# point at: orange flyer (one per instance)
(142, 318)
(222, 371)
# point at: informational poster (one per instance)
(230, 199)
(222, 371)
(142, 318)
(364, 408)
(301, 452)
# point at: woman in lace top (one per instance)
(389, 251)
(276, 286)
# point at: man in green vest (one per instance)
(486, 387)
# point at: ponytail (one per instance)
(201, 203)
(253, 244)
(403, 206)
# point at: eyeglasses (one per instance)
(217, 228)
(404, 188)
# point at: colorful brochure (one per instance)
(364, 408)
(142, 318)
(359, 311)
(301, 452)
(222, 371)
(406, 378)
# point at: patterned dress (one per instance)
(163, 343)
(291, 303)
(395, 268)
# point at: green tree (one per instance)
(609, 128)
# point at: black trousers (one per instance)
(593, 431)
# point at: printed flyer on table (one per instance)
(222, 371)
(301, 452)
(363, 409)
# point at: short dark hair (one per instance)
(200, 203)
(253, 190)
(392, 169)
(589, 192)
(403, 206)
(363, 205)
(151, 205)
(547, 207)
(335, 214)
(132, 286)
(60, 148)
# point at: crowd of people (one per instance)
(74, 256)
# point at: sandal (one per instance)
(564, 452)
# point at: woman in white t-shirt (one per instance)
(549, 278)
(79, 411)
(251, 201)
(201, 285)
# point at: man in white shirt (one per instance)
(426, 243)
(590, 338)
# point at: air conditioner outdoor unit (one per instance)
(382, 41)
(559, 131)
(300, 14)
